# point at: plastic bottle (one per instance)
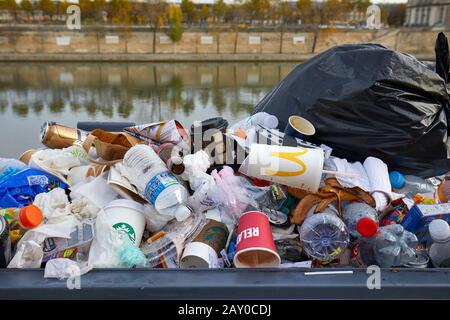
(10, 166)
(173, 161)
(354, 212)
(264, 119)
(324, 236)
(20, 220)
(439, 248)
(410, 185)
(388, 246)
(155, 183)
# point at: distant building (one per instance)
(428, 13)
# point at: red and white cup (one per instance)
(255, 245)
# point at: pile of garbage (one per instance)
(158, 196)
(267, 191)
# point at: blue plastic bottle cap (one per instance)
(397, 180)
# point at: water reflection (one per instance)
(141, 92)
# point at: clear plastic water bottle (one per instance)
(353, 212)
(388, 246)
(10, 166)
(155, 183)
(439, 247)
(324, 236)
(410, 185)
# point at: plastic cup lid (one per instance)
(31, 216)
(367, 227)
(126, 203)
(439, 230)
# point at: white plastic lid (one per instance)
(270, 121)
(126, 203)
(182, 213)
(439, 230)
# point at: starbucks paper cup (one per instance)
(292, 166)
(127, 216)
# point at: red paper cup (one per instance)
(255, 245)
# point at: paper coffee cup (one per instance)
(255, 246)
(127, 216)
(204, 250)
(292, 166)
(299, 127)
(199, 255)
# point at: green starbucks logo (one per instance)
(126, 228)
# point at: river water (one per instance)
(32, 93)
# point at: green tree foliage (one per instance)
(259, 9)
(26, 5)
(176, 29)
(8, 5)
(120, 12)
(188, 10)
(219, 9)
(306, 11)
(204, 13)
(47, 6)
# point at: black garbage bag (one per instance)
(367, 100)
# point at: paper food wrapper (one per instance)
(292, 166)
(164, 131)
(122, 185)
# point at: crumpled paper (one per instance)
(52, 204)
(63, 268)
(55, 161)
(29, 251)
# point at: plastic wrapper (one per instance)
(168, 248)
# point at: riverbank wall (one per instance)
(143, 44)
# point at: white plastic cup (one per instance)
(292, 166)
(128, 216)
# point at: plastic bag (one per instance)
(230, 195)
(366, 100)
(21, 188)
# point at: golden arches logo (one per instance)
(291, 156)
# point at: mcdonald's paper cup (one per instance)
(255, 245)
(291, 166)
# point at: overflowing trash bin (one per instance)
(266, 192)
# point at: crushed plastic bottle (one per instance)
(410, 185)
(439, 248)
(353, 212)
(155, 183)
(388, 246)
(324, 236)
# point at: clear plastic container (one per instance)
(353, 212)
(324, 236)
(166, 248)
(439, 247)
(410, 185)
(388, 246)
